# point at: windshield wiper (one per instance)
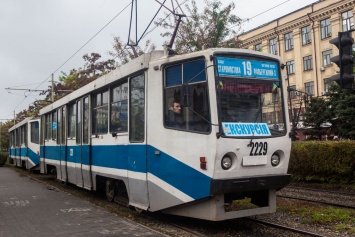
(256, 118)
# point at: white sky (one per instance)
(38, 36)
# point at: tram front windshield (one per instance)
(249, 97)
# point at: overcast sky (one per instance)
(38, 36)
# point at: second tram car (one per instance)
(203, 135)
(24, 143)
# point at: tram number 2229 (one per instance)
(258, 148)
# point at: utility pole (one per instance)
(52, 90)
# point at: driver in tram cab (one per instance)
(175, 118)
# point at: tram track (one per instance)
(321, 190)
(325, 197)
(180, 226)
(283, 227)
(317, 201)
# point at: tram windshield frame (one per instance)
(249, 96)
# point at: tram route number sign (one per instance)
(237, 67)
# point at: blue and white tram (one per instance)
(203, 135)
(24, 143)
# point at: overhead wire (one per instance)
(25, 96)
(143, 36)
(248, 19)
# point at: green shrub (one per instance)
(3, 158)
(323, 161)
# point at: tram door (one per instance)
(18, 148)
(137, 160)
(61, 145)
(85, 145)
(78, 150)
(25, 146)
(82, 159)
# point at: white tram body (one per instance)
(230, 145)
(24, 143)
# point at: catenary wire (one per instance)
(72, 55)
(140, 38)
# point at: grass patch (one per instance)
(243, 204)
(338, 218)
(345, 227)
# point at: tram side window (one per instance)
(48, 124)
(24, 135)
(86, 120)
(18, 137)
(137, 109)
(61, 126)
(195, 117)
(71, 120)
(42, 130)
(78, 122)
(100, 113)
(35, 132)
(54, 125)
(11, 140)
(119, 108)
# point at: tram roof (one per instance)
(136, 65)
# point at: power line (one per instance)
(261, 13)
(269, 9)
(72, 55)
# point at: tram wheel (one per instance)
(110, 190)
(139, 210)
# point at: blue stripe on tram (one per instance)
(132, 157)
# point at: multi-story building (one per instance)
(301, 38)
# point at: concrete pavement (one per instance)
(30, 208)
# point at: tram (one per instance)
(202, 135)
(24, 143)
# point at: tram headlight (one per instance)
(226, 162)
(275, 160)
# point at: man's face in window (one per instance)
(177, 108)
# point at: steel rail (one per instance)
(278, 226)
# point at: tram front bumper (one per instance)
(249, 184)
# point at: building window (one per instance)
(290, 67)
(307, 63)
(325, 28)
(293, 92)
(309, 88)
(326, 86)
(288, 41)
(258, 47)
(326, 55)
(306, 35)
(348, 20)
(272, 45)
(100, 113)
